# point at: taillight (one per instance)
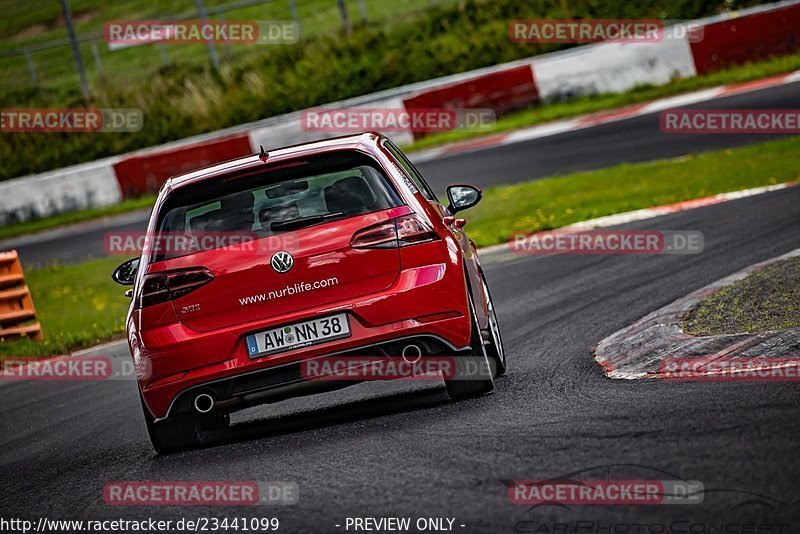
(183, 282)
(403, 231)
(163, 287)
(154, 290)
(381, 236)
(412, 229)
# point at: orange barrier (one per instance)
(16, 304)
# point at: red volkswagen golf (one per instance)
(332, 248)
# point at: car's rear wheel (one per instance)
(495, 348)
(472, 376)
(181, 431)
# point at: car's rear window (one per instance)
(290, 196)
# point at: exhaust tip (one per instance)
(204, 403)
(411, 353)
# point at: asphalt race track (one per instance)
(626, 141)
(403, 449)
(631, 140)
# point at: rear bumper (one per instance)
(427, 302)
(277, 383)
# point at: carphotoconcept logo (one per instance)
(41, 120)
(636, 485)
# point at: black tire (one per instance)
(495, 349)
(472, 376)
(178, 433)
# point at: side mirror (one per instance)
(462, 197)
(125, 274)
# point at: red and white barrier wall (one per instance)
(502, 91)
(612, 67)
(754, 34)
(144, 172)
(59, 191)
(729, 39)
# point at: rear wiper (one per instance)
(311, 220)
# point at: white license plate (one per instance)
(298, 335)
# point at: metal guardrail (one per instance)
(47, 62)
(98, 34)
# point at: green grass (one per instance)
(510, 122)
(604, 102)
(77, 305)
(36, 21)
(46, 223)
(32, 23)
(186, 98)
(558, 201)
(766, 300)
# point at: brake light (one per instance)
(401, 232)
(383, 235)
(412, 229)
(163, 287)
(154, 290)
(183, 282)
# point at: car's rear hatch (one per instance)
(325, 270)
(310, 211)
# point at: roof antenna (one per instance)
(264, 154)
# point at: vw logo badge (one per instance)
(282, 261)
